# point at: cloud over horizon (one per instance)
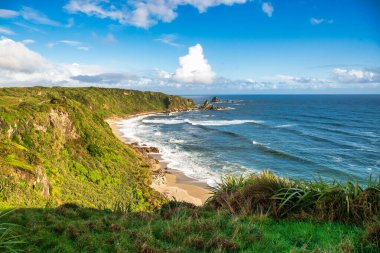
(21, 66)
(194, 67)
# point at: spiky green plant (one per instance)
(266, 193)
(9, 239)
(229, 184)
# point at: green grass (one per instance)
(179, 228)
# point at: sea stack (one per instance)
(215, 100)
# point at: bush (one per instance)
(268, 194)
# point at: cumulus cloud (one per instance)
(141, 13)
(267, 8)
(194, 68)
(21, 66)
(16, 56)
(4, 13)
(356, 75)
(6, 31)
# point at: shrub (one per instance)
(266, 193)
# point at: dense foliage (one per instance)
(55, 147)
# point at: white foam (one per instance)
(222, 122)
(129, 128)
(258, 143)
(163, 121)
(190, 164)
(200, 122)
(193, 164)
(176, 141)
(285, 126)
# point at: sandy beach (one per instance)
(176, 185)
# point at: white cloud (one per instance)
(23, 67)
(4, 13)
(72, 43)
(267, 8)
(37, 17)
(141, 13)
(355, 76)
(28, 41)
(318, 21)
(6, 31)
(194, 68)
(169, 39)
(16, 56)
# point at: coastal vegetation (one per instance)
(277, 197)
(77, 188)
(55, 147)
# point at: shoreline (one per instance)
(173, 184)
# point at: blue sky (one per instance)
(193, 46)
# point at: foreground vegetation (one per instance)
(179, 227)
(259, 213)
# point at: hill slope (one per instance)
(55, 147)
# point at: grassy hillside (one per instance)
(56, 148)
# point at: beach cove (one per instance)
(173, 184)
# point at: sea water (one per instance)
(298, 136)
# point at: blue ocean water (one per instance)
(302, 136)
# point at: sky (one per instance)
(193, 46)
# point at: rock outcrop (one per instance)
(215, 100)
(207, 106)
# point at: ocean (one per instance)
(297, 136)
